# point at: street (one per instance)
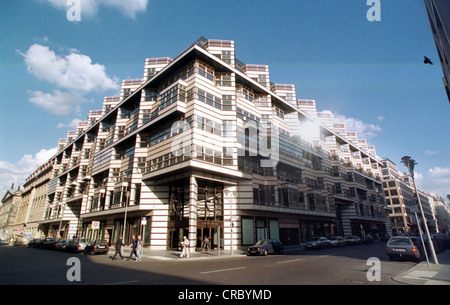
(334, 266)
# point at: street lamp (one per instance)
(409, 163)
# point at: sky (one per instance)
(59, 58)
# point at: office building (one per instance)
(206, 145)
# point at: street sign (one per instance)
(144, 221)
(95, 225)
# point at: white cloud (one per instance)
(60, 103)
(430, 152)
(89, 8)
(74, 71)
(18, 172)
(73, 124)
(364, 131)
(435, 181)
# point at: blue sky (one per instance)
(369, 74)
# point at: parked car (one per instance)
(38, 244)
(266, 246)
(49, 244)
(77, 245)
(32, 242)
(368, 239)
(337, 241)
(61, 245)
(385, 237)
(404, 247)
(96, 246)
(21, 241)
(444, 239)
(437, 248)
(317, 243)
(352, 240)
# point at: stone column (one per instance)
(193, 187)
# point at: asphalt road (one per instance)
(335, 266)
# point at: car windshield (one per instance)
(262, 242)
(315, 238)
(400, 242)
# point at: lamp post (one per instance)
(410, 163)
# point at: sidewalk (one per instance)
(175, 254)
(421, 274)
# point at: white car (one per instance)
(317, 243)
(337, 241)
(352, 240)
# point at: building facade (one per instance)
(8, 214)
(438, 12)
(205, 145)
(402, 200)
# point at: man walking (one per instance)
(185, 245)
(133, 248)
(119, 245)
(138, 248)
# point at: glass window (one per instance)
(247, 231)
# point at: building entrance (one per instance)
(211, 230)
(208, 212)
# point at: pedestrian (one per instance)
(206, 244)
(185, 245)
(133, 248)
(119, 245)
(138, 248)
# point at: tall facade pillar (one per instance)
(193, 188)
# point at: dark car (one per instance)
(266, 246)
(32, 242)
(368, 239)
(404, 247)
(437, 248)
(77, 245)
(385, 237)
(40, 242)
(61, 244)
(96, 246)
(49, 244)
(445, 241)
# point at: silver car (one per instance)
(317, 243)
(404, 247)
(352, 240)
(337, 241)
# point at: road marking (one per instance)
(290, 261)
(121, 283)
(162, 258)
(222, 270)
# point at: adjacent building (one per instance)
(438, 12)
(402, 201)
(206, 145)
(8, 214)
